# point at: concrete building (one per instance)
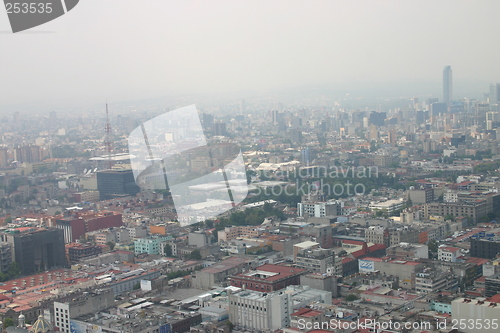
(260, 311)
(492, 267)
(390, 205)
(320, 282)
(36, 249)
(323, 234)
(434, 281)
(134, 322)
(478, 310)
(447, 85)
(88, 196)
(307, 245)
(319, 209)
(492, 285)
(164, 229)
(75, 225)
(149, 245)
(316, 260)
(199, 239)
(271, 311)
(475, 210)
(420, 197)
(126, 282)
(233, 232)
(86, 304)
(405, 270)
(383, 161)
(116, 183)
(377, 235)
(408, 251)
(485, 247)
(306, 317)
(173, 247)
(219, 272)
(267, 278)
(77, 251)
(5, 256)
(403, 235)
(448, 253)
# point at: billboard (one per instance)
(366, 266)
(77, 326)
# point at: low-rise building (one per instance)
(435, 281)
(149, 245)
(448, 253)
(268, 277)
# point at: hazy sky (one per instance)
(126, 49)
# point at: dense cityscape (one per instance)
(349, 215)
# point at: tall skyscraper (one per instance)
(36, 249)
(494, 96)
(377, 118)
(116, 183)
(447, 85)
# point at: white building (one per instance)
(79, 306)
(271, 311)
(450, 196)
(389, 205)
(319, 209)
(448, 253)
(260, 311)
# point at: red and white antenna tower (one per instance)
(108, 142)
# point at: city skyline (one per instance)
(163, 49)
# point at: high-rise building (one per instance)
(28, 154)
(4, 157)
(447, 85)
(306, 156)
(494, 96)
(373, 134)
(296, 136)
(36, 249)
(378, 118)
(271, 310)
(420, 117)
(75, 226)
(220, 129)
(207, 121)
(392, 138)
(116, 183)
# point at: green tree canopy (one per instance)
(195, 255)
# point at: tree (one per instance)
(449, 217)
(13, 271)
(267, 207)
(209, 224)
(168, 250)
(7, 322)
(195, 255)
(111, 245)
(230, 325)
(137, 286)
(351, 297)
(433, 248)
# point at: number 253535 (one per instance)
(28, 7)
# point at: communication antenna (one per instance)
(107, 140)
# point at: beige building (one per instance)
(479, 310)
(474, 210)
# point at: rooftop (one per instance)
(270, 272)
